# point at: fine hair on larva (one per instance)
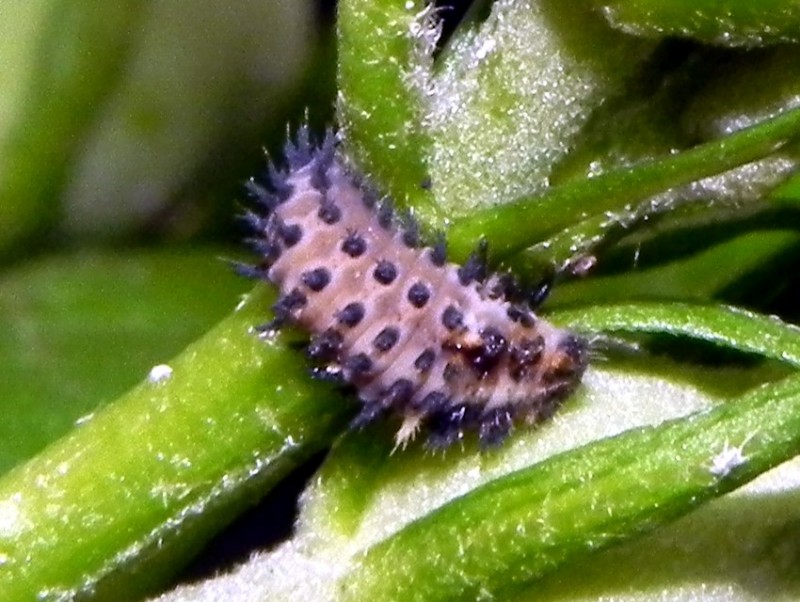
(445, 348)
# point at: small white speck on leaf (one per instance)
(159, 373)
(84, 419)
(485, 49)
(728, 459)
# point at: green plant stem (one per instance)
(788, 192)
(502, 536)
(729, 326)
(695, 278)
(513, 227)
(729, 23)
(379, 109)
(153, 475)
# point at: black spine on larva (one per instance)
(475, 267)
(260, 196)
(541, 291)
(277, 180)
(438, 252)
(410, 229)
(325, 346)
(299, 152)
(385, 213)
(256, 272)
(431, 342)
(495, 426)
(369, 413)
(251, 222)
(289, 304)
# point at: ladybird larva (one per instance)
(439, 345)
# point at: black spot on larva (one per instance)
(426, 183)
(354, 245)
(399, 393)
(494, 343)
(411, 234)
(369, 413)
(521, 316)
(329, 212)
(358, 364)
(385, 214)
(425, 360)
(385, 272)
(574, 347)
(369, 196)
(269, 251)
(386, 339)
(486, 356)
(316, 279)
(571, 357)
(452, 318)
(474, 269)
(450, 372)
(290, 234)
(432, 402)
(325, 347)
(351, 314)
(525, 354)
(438, 252)
(256, 272)
(418, 294)
(494, 427)
(289, 304)
(446, 426)
(504, 286)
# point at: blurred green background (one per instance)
(126, 130)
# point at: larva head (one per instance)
(564, 364)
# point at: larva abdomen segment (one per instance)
(429, 341)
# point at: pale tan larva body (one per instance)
(417, 337)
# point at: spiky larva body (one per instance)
(432, 342)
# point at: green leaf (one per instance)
(730, 23)
(510, 96)
(515, 226)
(83, 328)
(120, 503)
(364, 494)
(385, 48)
(736, 548)
(409, 122)
(695, 278)
(500, 537)
(728, 326)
